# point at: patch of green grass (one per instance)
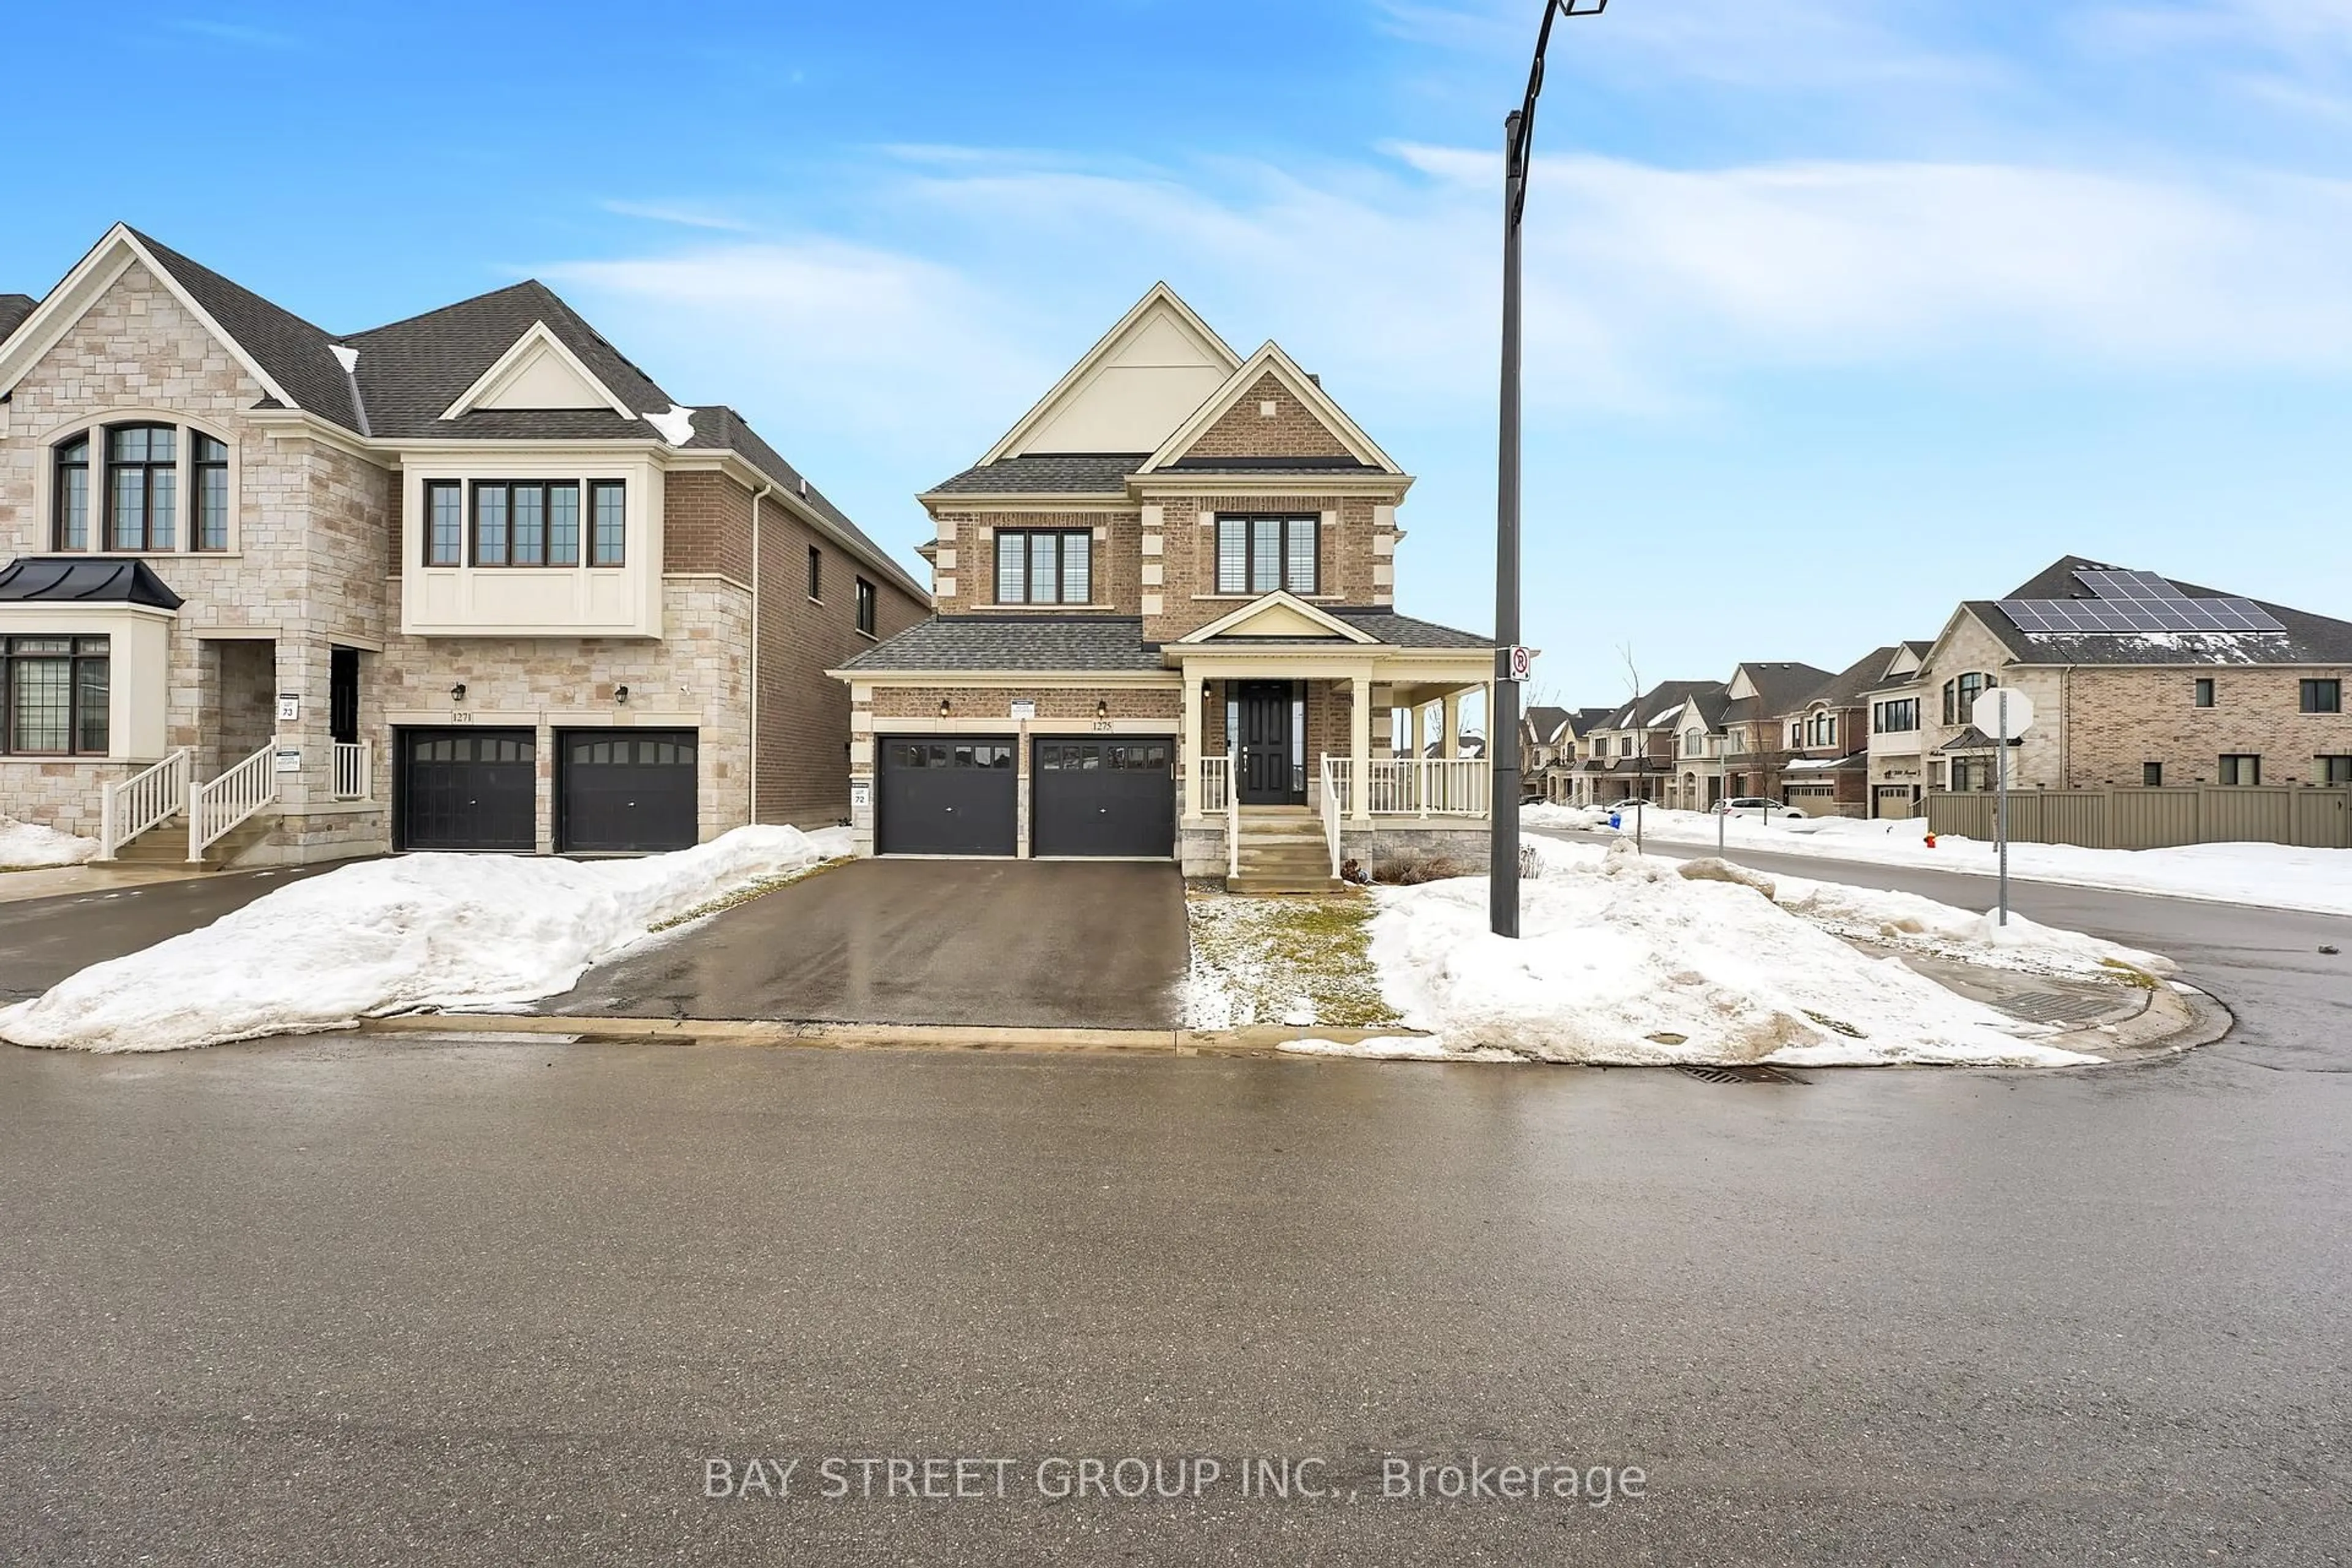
(2129, 974)
(744, 895)
(1255, 960)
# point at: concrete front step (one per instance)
(1249, 884)
(166, 844)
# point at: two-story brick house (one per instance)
(1826, 772)
(469, 580)
(1167, 629)
(2136, 679)
(1760, 696)
(1636, 752)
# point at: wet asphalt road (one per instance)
(337, 1301)
(1039, 943)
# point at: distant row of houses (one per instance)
(2136, 680)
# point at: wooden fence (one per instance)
(2311, 819)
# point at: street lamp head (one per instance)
(1581, 7)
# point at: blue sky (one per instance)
(1839, 312)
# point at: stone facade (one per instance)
(313, 564)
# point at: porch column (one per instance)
(1194, 693)
(1417, 711)
(1449, 737)
(1359, 750)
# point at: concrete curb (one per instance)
(1261, 1041)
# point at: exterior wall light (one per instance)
(1102, 708)
(943, 707)
(457, 693)
(620, 695)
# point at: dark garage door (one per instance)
(947, 796)
(625, 789)
(1104, 797)
(469, 789)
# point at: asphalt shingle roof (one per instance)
(291, 350)
(1405, 631)
(1845, 689)
(1076, 473)
(2307, 640)
(1781, 685)
(1016, 642)
(14, 308)
(721, 426)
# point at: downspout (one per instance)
(753, 788)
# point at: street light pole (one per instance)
(1503, 722)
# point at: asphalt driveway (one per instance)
(43, 940)
(1043, 945)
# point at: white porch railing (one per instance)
(354, 770)
(1232, 816)
(128, 807)
(1334, 802)
(1216, 786)
(219, 805)
(1429, 786)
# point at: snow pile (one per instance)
(2278, 875)
(25, 845)
(423, 930)
(1574, 817)
(1622, 960)
(1396, 1048)
(1908, 920)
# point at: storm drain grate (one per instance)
(1739, 1075)
(2057, 1006)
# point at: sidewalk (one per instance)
(63, 882)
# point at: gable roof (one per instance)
(1281, 610)
(1845, 689)
(1140, 378)
(2305, 638)
(1544, 719)
(1015, 642)
(1659, 703)
(296, 354)
(14, 308)
(1270, 359)
(718, 427)
(1780, 685)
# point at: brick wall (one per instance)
(2120, 718)
(965, 553)
(1247, 430)
(804, 713)
(1352, 548)
(2039, 761)
(707, 526)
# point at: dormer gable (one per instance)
(1269, 408)
(1158, 364)
(1278, 616)
(537, 371)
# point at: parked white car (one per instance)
(1757, 805)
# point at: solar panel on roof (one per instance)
(2136, 603)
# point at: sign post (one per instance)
(2005, 713)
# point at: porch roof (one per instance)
(1110, 642)
(84, 580)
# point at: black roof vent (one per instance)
(84, 580)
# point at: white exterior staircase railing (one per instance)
(1336, 782)
(128, 807)
(219, 805)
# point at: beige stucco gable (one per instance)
(537, 371)
(1145, 376)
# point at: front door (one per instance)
(1272, 773)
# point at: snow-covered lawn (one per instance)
(2276, 875)
(1623, 960)
(1282, 961)
(387, 935)
(25, 845)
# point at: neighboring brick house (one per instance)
(1827, 769)
(1761, 693)
(467, 580)
(1897, 771)
(1635, 753)
(1545, 743)
(1166, 604)
(2136, 679)
(1694, 780)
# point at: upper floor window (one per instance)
(1043, 568)
(525, 522)
(2323, 697)
(53, 696)
(816, 574)
(1796, 734)
(1260, 555)
(1896, 717)
(866, 606)
(2201, 692)
(134, 502)
(1694, 742)
(1821, 729)
(1960, 694)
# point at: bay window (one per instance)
(524, 522)
(53, 692)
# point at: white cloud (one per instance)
(682, 214)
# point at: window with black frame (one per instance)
(1262, 554)
(526, 522)
(866, 606)
(142, 487)
(1036, 566)
(53, 692)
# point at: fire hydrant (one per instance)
(1931, 841)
